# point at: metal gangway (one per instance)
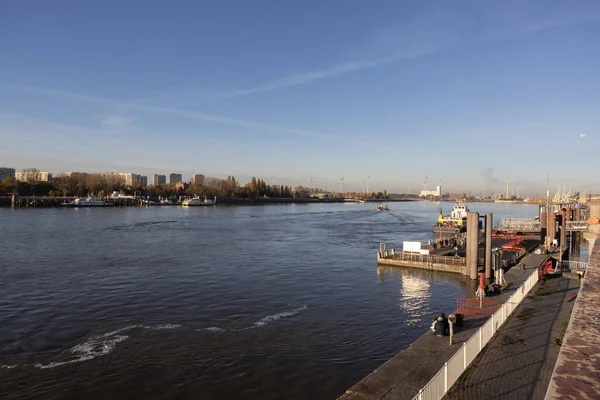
(530, 225)
(576, 226)
(568, 265)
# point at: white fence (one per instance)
(439, 385)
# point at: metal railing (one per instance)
(428, 258)
(439, 385)
(576, 226)
(573, 265)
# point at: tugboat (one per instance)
(454, 223)
(382, 207)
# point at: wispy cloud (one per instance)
(410, 42)
(166, 110)
(328, 72)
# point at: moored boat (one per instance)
(197, 201)
(382, 207)
(89, 202)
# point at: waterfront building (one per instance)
(159, 179)
(6, 173)
(435, 193)
(130, 178)
(175, 178)
(198, 179)
(33, 176)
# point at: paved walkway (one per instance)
(518, 361)
(577, 372)
(409, 371)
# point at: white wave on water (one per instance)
(95, 346)
(212, 329)
(99, 345)
(163, 327)
(265, 321)
(260, 323)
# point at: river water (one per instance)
(268, 302)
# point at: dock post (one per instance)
(488, 245)
(472, 244)
(544, 225)
(577, 235)
(564, 217)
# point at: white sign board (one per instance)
(411, 246)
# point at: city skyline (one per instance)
(367, 185)
(468, 93)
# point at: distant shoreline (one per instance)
(56, 202)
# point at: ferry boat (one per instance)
(382, 207)
(454, 223)
(197, 201)
(89, 202)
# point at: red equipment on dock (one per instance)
(468, 306)
(514, 245)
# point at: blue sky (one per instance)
(468, 92)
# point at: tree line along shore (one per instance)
(227, 190)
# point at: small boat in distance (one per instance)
(197, 201)
(89, 202)
(382, 207)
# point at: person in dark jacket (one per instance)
(445, 324)
(440, 326)
(437, 327)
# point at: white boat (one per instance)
(382, 207)
(89, 202)
(197, 201)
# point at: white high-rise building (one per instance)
(35, 176)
